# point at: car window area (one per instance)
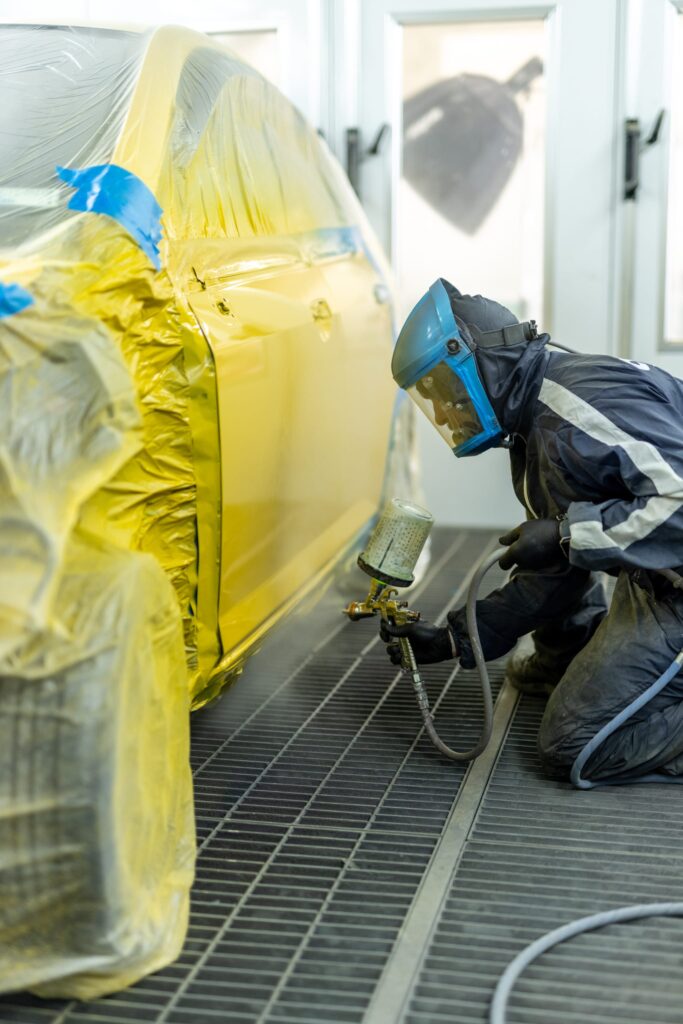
(241, 160)
(64, 94)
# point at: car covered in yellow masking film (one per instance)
(195, 419)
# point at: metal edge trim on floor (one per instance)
(396, 982)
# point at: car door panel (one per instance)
(304, 414)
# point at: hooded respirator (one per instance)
(434, 362)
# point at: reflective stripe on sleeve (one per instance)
(644, 456)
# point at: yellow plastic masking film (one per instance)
(184, 453)
(96, 828)
(96, 823)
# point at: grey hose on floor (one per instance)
(583, 924)
(587, 924)
(411, 667)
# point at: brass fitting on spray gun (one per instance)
(382, 600)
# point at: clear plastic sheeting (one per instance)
(65, 92)
(191, 438)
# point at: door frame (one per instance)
(651, 43)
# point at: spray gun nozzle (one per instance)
(357, 610)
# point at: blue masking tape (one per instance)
(327, 243)
(13, 298)
(120, 194)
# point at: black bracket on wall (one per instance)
(633, 147)
(355, 154)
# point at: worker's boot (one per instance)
(529, 674)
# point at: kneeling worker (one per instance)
(596, 451)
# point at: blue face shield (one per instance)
(434, 363)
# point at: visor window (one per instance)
(444, 399)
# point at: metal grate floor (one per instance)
(542, 854)
(347, 873)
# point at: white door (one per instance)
(654, 301)
(501, 175)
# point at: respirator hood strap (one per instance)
(508, 337)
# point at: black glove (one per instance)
(430, 643)
(533, 545)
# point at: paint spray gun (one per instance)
(390, 559)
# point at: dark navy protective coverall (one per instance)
(599, 440)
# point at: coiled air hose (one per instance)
(501, 995)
